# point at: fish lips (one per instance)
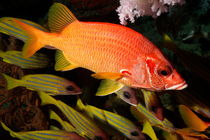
(179, 86)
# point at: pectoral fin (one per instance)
(107, 87)
(107, 75)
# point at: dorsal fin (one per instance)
(59, 16)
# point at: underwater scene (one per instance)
(104, 70)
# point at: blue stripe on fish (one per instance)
(76, 123)
(28, 60)
(32, 25)
(12, 59)
(111, 120)
(147, 113)
(35, 59)
(57, 87)
(50, 77)
(40, 87)
(75, 118)
(11, 26)
(57, 83)
(51, 134)
(24, 37)
(33, 135)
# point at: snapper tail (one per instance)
(11, 82)
(35, 38)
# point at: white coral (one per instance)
(131, 9)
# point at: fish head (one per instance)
(161, 74)
(128, 95)
(71, 88)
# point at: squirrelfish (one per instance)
(125, 93)
(43, 135)
(84, 126)
(38, 60)
(54, 85)
(111, 51)
(120, 123)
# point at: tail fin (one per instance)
(11, 82)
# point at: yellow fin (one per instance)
(191, 120)
(2, 53)
(11, 82)
(107, 87)
(61, 64)
(59, 16)
(147, 129)
(107, 75)
(166, 38)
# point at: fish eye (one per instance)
(165, 72)
(70, 88)
(98, 138)
(134, 133)
(126, 95)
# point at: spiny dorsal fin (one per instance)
(59, 16)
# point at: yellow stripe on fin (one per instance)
(107, 87)
(107, 75)
(59, 16)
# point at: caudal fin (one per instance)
(33, 43)
(11, 82)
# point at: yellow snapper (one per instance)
(85, 126)
(142, 114)
(54, 85)
(127, 94)
(38, 60)
(120, 123)
(65, 125)
(111, 51)
(43, 135)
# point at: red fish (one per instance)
(111, 51)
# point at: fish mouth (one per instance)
(178, 86)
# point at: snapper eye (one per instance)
(126, 95)
(70, 88)
(165, 71)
